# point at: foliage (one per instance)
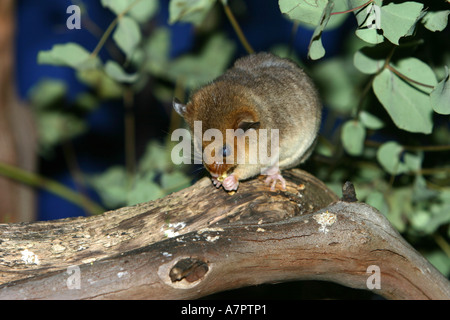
(155, 175)
(388, 101)
(388, 59)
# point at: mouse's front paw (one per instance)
(230, 183)
(272, 179)
(216, 182)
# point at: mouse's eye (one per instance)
(226, 150)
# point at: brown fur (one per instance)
(266, 89)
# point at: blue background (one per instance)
(41, 24)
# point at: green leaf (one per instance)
(295, 11)
(127, 35)
(417, 70)
(174, 181)
(118, 7)
(142, 11)
(155, 158)
(315, 49)
(157, 49)
(338, 79)
(115, 71)
(376, 200)
(419, 219)
(388, 156)
(436, 20)
(399, 20)
(283, 51)
(69, 55)
(367, 29)
(193, 11)
(365, 63)
(337, 20)
(105, 86)
(430, 220)
(308, 12)
(371, 36)
(111, 186)
(144, 189)
(56, 127)
(440, 212)
(86, 101)
(324, 149)
(370, 173)
(46, 92)
(399, 201)
(420, 190)
(413, 162)
(440, 260)
(440, 96)
(370, 121)
(353, 136)
(407, 103)
(196, 70)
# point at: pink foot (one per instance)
(216, 182)
(272, 180)
(230, 183)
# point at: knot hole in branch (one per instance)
(189, 269)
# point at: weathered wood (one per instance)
(201, 240)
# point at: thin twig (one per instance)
(442, 243)
(111, 28)
(35, 180)
(430, 171)
(293, 36)
(444, 147)
(75, 171)
(96, 31)
(130, 149)
(353, 9)
(401, 75)
(237, 28)
(364, 93)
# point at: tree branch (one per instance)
(201, 240)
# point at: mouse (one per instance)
(266, 102)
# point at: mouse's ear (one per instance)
(246, 120)
(247, 125)
(179, 107)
